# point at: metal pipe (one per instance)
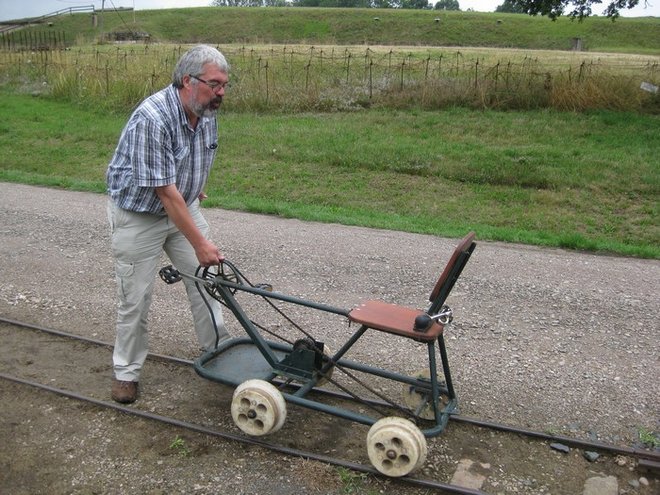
(284, 297)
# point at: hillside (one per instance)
(225, 25)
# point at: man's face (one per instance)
(207, 91)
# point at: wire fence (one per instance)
(22, 40)
(326, 78)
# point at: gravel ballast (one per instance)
(546, 339)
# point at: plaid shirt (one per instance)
(157, 147)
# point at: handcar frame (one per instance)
(269, 374)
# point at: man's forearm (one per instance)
(177, 211)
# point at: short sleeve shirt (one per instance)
(157, 148)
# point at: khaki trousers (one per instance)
(138, 241)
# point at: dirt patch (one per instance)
(58, 445)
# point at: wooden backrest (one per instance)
(450, 274)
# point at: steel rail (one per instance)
(419, 482)
(569, 441)
(60, 333)
(652, 456)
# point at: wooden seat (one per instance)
(392, 318)
(454, 267)
(400, 320)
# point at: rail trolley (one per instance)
(267, 374)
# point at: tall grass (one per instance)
(310, 78)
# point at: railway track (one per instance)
(24, 366)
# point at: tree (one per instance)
(331, 3)
(580, 8)
(510, 7)
(248, 3)
(447, 5)
(236, 3)
(415, 4)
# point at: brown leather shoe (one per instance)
(124, 392)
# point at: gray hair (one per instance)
(194, 60)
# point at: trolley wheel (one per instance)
(396, 447)
(415, 398)
(258, 408)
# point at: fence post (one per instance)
(307, 74)
(45, 54)
(581, 71)
(107, 79)
(267, 92)
(371, 86)
(153, 80)
(476, 74)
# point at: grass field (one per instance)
(367, 27)
(580, 181)
(586, 179)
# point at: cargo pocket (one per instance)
(125, 280)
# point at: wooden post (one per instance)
(577, 44)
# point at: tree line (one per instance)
(365, 4)
(551, 8)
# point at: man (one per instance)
(155, 183)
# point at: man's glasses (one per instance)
(214, 85)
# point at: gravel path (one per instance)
(542, 338)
